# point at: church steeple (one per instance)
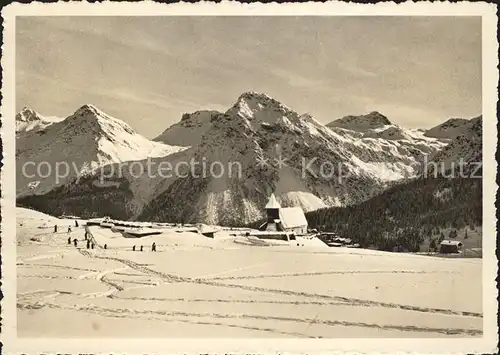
(272, 209)
(272, 203)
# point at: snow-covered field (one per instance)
(199, 287)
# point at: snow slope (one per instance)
(26, 214)
(36, 225)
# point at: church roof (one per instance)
(292, 217)
(273, 203)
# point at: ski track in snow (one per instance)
(55, 266)
(166, 315)
(249, 277)
(40, 298)
(231, 270)
(42, 257)
(354, 301)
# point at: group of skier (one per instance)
(69, 227)
(153, 247)
(90, 243)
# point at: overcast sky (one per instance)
(147, 71)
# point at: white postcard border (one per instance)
(485, 344)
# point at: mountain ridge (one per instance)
(254, 129)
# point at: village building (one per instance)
(450, 246)
(288, 219)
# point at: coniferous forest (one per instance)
(406, 214)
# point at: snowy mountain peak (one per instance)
(251, 103)
(250, 111)
(28, 119)
(362, 123)
(452, 128)
(254, 95)
(88, 139)
(90, 116)
(377, 117)
(89, 109)
(27, 115)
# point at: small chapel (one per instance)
(284, 219)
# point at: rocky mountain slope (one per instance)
(463, 155)
(189, 130)
(258, 128)
(362, 123)
(258, 146)
(449, 129)
(444, 196)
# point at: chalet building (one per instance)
(279, 219)
(450, 246)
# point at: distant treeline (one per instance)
(406, 214)
(85, 199)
